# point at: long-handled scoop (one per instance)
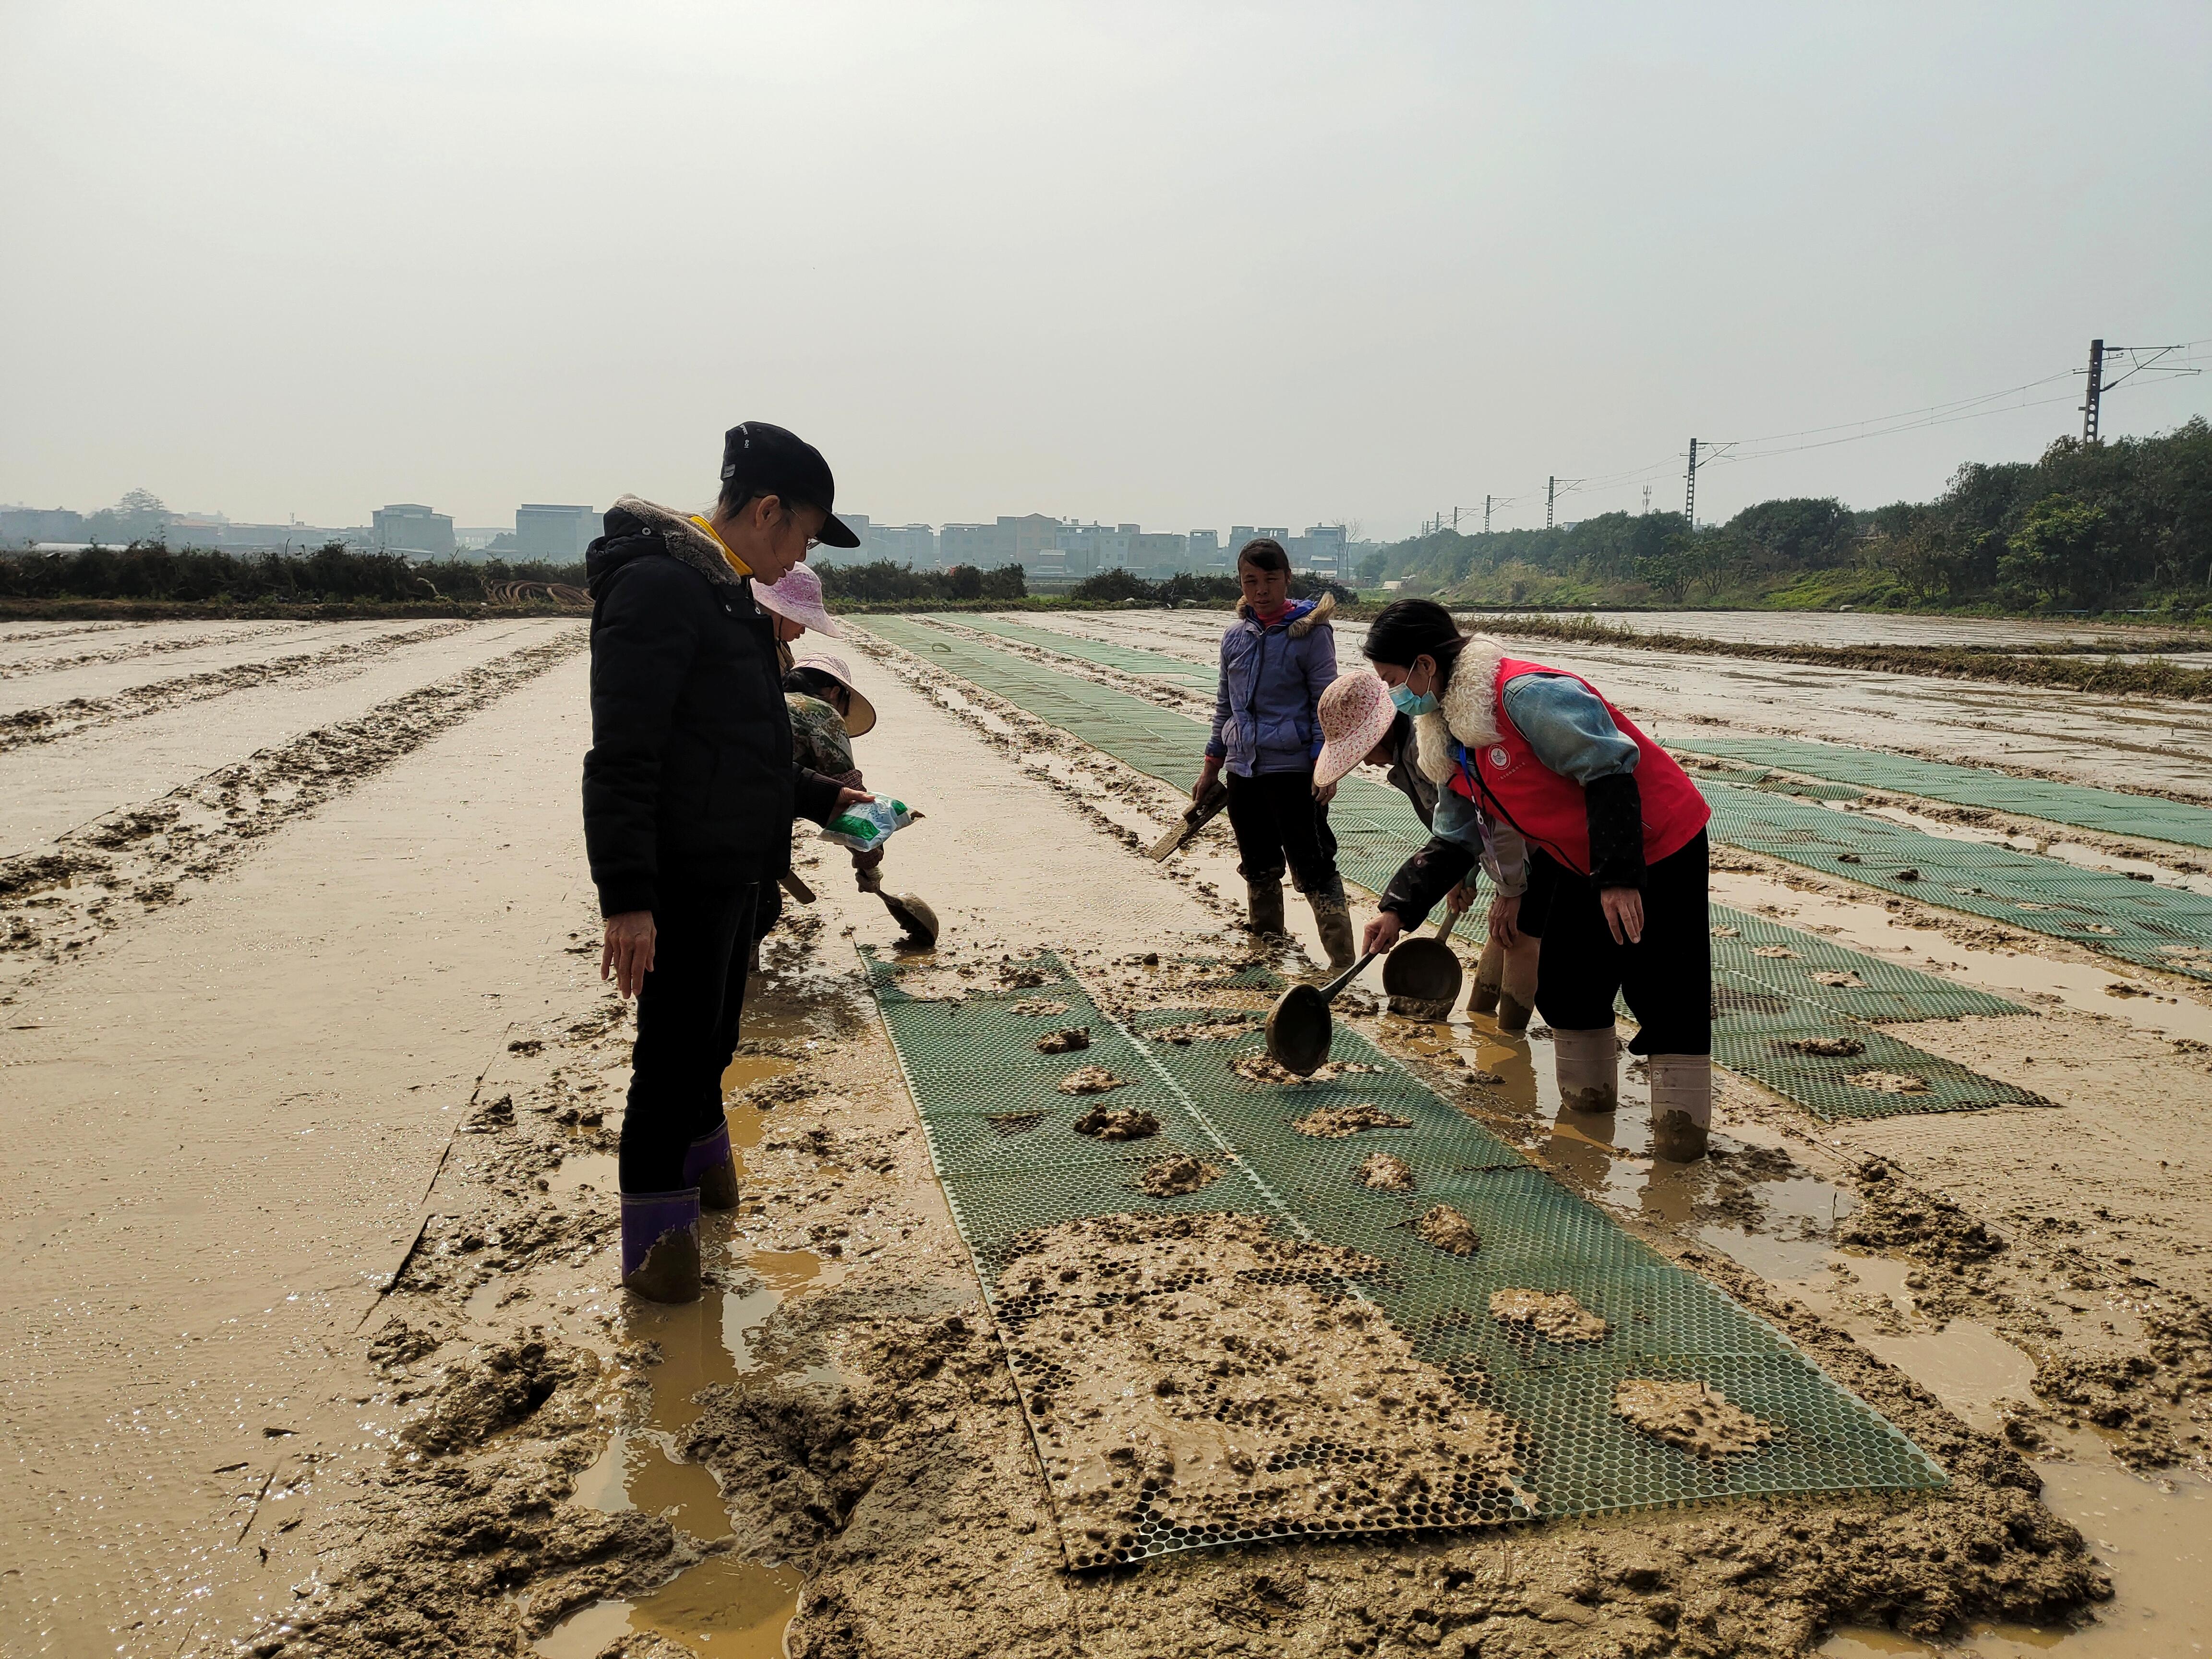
(918, 920)
(1299, 1030)
(1424, 970)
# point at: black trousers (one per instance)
(688, 1016)
(1278, 821)
(1667, 980)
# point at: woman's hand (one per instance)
(1505, 920)
(1381, 933)
(1324, 793)
(850, 796)
(1209, 774)
(1457, 900)
(626, 954)
(1624, 914)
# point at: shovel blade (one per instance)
(1299, 1030)
(1423, 970)
(918, 920)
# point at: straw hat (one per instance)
(861, 718)
(1356, 712)
(798, 598)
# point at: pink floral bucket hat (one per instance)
(1356, 714)
(798, 598)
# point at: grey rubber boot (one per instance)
(1263, 904)
(1588, 1064)
(1517, 992)
(1333, 916)
(1489, 975)
(1682, 1105)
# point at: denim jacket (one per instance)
(1265, 708)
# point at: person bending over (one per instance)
(1618, 869)
(1276, 660)
(1360, 721)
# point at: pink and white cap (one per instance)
(798, 598)
(1356, 714)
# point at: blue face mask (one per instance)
(1403, 700)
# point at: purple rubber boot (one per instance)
(710, 1165)
(660, 1245)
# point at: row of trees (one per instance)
(884, 583)
(2126, 522)
(333, 572)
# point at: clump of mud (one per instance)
(1199, 1373)
(1260, 1068)
(1391, 1174)
(1092, 1080)
(1772, 950)
(1448, 1230)
(1695, 1416)
(1072, 1040)
(1887, 1083)
(1211, 1028)
(1836, 977)
(1553, 1314)
(1109, 1124)
(1827, 1048)
(1422, 1007)
(1037, 1008)
(1335, 1123)
(1173, 1176)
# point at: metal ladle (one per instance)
(1299, 1029)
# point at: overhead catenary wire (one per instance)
(2158, 361)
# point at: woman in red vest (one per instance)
(1616, 834)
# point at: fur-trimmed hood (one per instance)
(635, 525)
(1304, 616)
(1470, 709)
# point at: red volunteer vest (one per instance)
(1547, 808)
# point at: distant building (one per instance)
(22, 526)
(903, 544)
(970, 544)
(1021, 539)
(1205, 553)
(411, 527)
(557, 534)
(1320, 551)
(223, 536)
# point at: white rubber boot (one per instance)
(1682, 1105)
(1589, 1064)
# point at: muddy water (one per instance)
(2154, 1535)
(726, 1607)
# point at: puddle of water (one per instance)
(636, 1472)
(581, 1171)
(1966, 1365)
(2156, 1540)
(724, 1608)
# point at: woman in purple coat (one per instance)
(1275, 663)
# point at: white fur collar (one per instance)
(1469, 712)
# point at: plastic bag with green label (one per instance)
(868, 824)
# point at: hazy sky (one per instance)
(1188, 264)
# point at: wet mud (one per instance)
(1109, 1124)
(1386, 1172)
(1197, 1376)
(1448, 1230)
(1553, 1314)
(1695, 1416)
(1172, 1178)
(857, 1461)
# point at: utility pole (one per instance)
(2096, 392)
(1551, 496)
(1486, 515)
(1689, 488)
(1455, 521)
(1647, 500)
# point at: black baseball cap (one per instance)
(769, 460)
